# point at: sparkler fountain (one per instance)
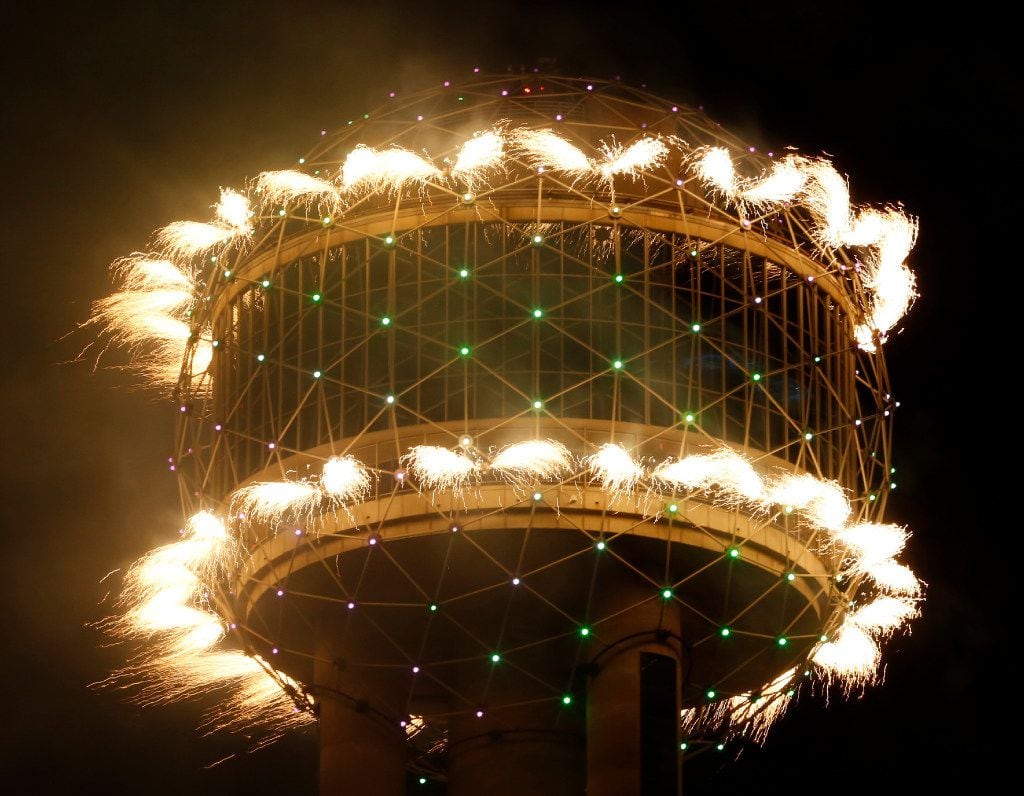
(534, 432)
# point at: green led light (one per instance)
(720, 747)
(734, 552)
(423, 780)
(538, 313)
(872, 498)
(791, 693)
(327, 221)
(619, 279)
(790, 576)
(385, 321)
(601, 545)
(316, 297)
(782, 641)
(673, 508)
(464, 273)
(892, 485)
(615, 210)
(282, 212)
(464, 351)
(584, 631)
(695, 328)
(495, 657)
(227, 273)
(538, 404)
(389, 240)
(693, 252)
(467, 198)
(260, 357)
(317, 374)
(755, 377)
(823, 637)
(617, 364)
(817, 359)
(567, 700)
(689, 417)
(725, 632)
(265, 283)
(892, 470)
(462, 99)
(682, 746)
(666, 593)
(711, 693)
(389, 399)
(433, 606)
(537, 239)
(808, 436)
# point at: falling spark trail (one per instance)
(285, 187)
(643, 155)
(268, 502)
(884, 615)
(546, 150)
(183, 240)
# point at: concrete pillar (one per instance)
(615, 746)
(360, 751)
(515, 754)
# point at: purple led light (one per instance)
(351, 605)
(218, 427)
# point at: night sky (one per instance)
(121, 117)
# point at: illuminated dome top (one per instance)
(527, 305)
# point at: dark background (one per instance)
(119, 117)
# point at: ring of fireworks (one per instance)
(529, 246)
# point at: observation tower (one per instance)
(535, 434)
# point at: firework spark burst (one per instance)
(437, 468)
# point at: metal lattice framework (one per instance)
(529, 304)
